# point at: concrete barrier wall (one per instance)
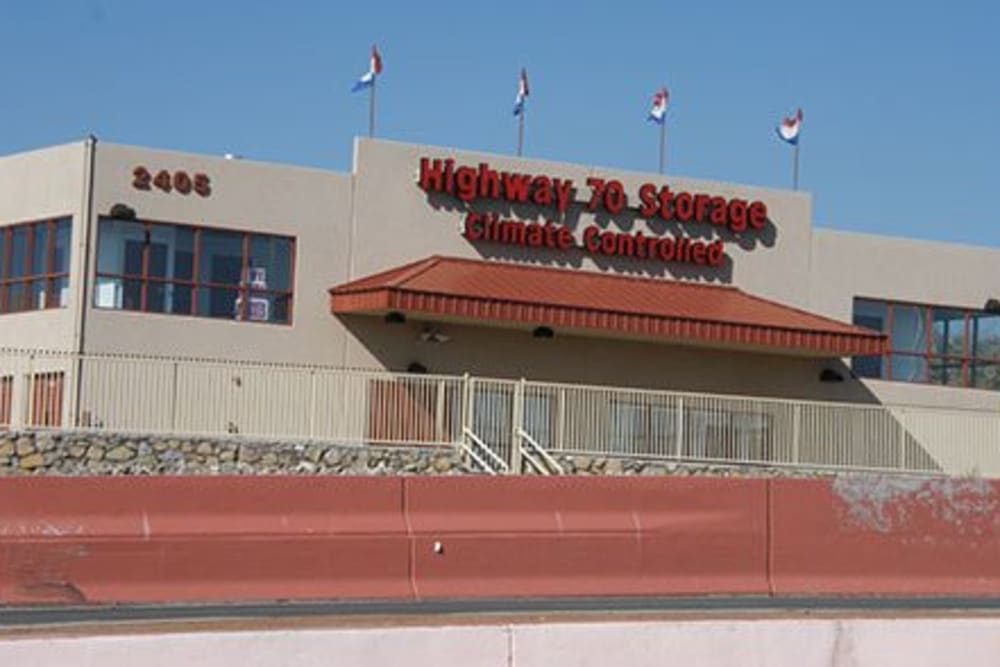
(184, 539)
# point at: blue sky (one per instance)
(900, 134)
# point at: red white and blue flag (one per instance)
(367, 79)
(788, 130)
(522, 93)
(658, 112)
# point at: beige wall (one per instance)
(34, 186)
(308, 204)
(847, 265)
(349, 226)
(396, 222)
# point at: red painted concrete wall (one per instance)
(176, 539)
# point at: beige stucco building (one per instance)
(119, 250)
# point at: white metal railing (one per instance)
(500, 421)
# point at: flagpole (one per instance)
(520, 132)
(795, 168)
(663, 144)
(371, 109)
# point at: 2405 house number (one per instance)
(177, 181)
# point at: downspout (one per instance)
(83, 269)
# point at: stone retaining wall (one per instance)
(44, 453)
(67, 453)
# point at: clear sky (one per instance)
(901, 99)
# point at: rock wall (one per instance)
(68, 453)
(59, 453)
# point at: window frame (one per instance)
(930, 355)
(48, 276)
(243, 289)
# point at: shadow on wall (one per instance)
(627, 221)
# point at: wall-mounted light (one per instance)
(122, 212)
(543, 332)
(416, 367)
(394, 317)
(433, 335)
(830, 375)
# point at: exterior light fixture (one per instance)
(416, 367)
(830, 375)
(432, 335)
(395, 317)
(543, 332)
(122, 212)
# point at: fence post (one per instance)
(796, 431)
(312, 404)
(467, 390)
(173, 397)
(439, 412)
(516, 424)
(902, 439)
(680, 428)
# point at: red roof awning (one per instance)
(502, 293)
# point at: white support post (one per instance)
(313, 408)
(796, 432)
(517, 423)
(439, 411)
(902, 439)
(680, 429)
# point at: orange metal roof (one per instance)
(560, 298)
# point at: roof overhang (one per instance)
(609, 306)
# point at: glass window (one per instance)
(909, 329)
(986, 335)
(948, 332)
(943, 345)
(185, 270)
(871, 315)
(34, 265)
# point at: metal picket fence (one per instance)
(503, 425)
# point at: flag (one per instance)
(522, 93)
(367, 79)
(788, 130)
(658, 112)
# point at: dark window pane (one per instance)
(270, 263)
(909, 329)
(40, 249)
(218, 302)
(908, 368)
(18, 253)
(985, 336)
(180, 298)
(60, 260)
(157, 258)
(131, 295)
(119, 246)
(16, 297)
(947, 372)
(134, 251)
(870, 314)
(156, 297)
(948, 332)
(986, 375)
(281, 309)
(869, 367)
(171, 251)
(221, 259)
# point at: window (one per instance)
(34, 265)
(183, 270)
(934, 344)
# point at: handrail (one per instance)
(501, 464)
(540, 451)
